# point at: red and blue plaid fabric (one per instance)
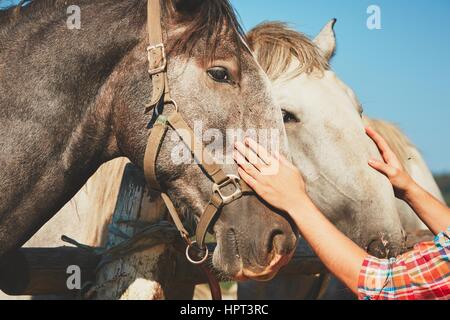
(421, 274)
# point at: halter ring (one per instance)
(172, 102)
(191, 260)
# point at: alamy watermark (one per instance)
(74, 17)
(374, 19)
(73, 281)
(220, 145)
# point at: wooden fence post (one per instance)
(144, 275)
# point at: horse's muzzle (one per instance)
(268, 273)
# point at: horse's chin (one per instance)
(265, 275)
(242, 276)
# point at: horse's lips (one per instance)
(277, 263)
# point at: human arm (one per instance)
(338, 253)
(281, 184)
(429, 209)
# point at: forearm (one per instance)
(429, 209)
(340, 255)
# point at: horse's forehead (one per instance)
(305, 89)
(347, 89)
(228, 50)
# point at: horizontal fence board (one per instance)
(43, 271)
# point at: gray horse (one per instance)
(72, 99)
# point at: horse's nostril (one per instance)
(381, 248)
(377, 248)
(279, 243)
(387, 246)
(272, 241)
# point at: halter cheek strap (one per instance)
(214, 171)
(156, 55)
(161, 94)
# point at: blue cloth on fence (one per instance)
(7, 4)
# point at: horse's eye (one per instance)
(360, 110)
(220, 74)
(289, 117)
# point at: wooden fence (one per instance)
(160, 271)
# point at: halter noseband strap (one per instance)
(161, 94)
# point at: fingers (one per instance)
(262, 153)
(375, 136)
(382, 167)
(250, 155)
(265, 163)
(248, 179)
(250, 169)
(378, 139)
(383, 146)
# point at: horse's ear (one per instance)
(187, 6)
(326, 40)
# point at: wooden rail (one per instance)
(43, 271)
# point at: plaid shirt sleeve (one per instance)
(421, 274)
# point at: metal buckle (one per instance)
(227, 199)
(162, 66)
(191, 260)
(172, 102)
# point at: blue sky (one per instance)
(400, 73)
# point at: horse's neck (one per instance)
(55, 121)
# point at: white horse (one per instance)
(413, 163)
(325, 129)
(325, 126)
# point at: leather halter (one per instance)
(160, 97)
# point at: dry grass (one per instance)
(229, 291)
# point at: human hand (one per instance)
(273, 177)
(391, 167)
